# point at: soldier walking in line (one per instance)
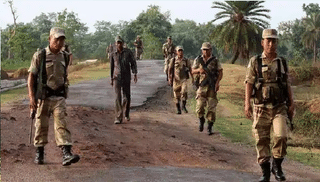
(48, 87)
(139, 47)
(179, 70)
(168, 53)
(208, 72)
(122, 62)
(267, 78)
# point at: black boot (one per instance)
(184, 106)
(277, 169)
(178, 108)
(265, 172)
(68, 157)
(202, 120)
(210, 124)
(39, 155)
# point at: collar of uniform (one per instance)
(48, 51)
(263, 56)
(177, 58)
(206, 59)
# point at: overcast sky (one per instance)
(91, 11)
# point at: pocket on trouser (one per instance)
(62, 134)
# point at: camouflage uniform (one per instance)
(269, 111)
(55, 104)
(206, 95)
(139, 48)
(120, 64)
(168, 52)
(180, 77)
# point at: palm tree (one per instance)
(311, 36)
(241, 32)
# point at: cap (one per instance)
(206, 45)
(118, 39)
(270, 33)
(138, 36)
(169, 37)
(57, 32)
(179, 48)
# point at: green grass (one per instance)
(14, 95)
(14, 66)
(310, 157)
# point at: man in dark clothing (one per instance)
(121, 61)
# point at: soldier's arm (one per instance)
(248, 93)
(133, 63)
(111, 68)
(31, 91)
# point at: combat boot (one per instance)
(178, 108)
(184, 106)
(210, 125)
(68, 158)
(265, 172)
(277, 169)
(39, 155)
(201, 123)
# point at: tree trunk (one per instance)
(235, 57)
(314, 52)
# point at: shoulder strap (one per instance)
(66, 59)
(259, 59)
(43, 71)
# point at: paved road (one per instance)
(99, 93)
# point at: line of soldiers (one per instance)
(138, 48)
(267, 82)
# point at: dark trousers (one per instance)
(122, 105)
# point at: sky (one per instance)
(90, 11)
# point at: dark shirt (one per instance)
(121, 63)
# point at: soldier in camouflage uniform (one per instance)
(267, 75)
(139, 47)
(53, 100)
(179, 70)
(121, 61)
(208, 71)
(168, 53)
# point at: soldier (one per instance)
(139, 47)
(67, 49)
(208, 71)
(267, 76)
(48, 73)
(121, 61)
(168, 53)
(179, 69)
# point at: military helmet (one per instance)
(206, 45)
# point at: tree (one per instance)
(152, 46)
(15, 17)
(311, 36)
(75, 31)
(241, 32)
(311, 8)
(153, 21)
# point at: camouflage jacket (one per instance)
(121, 63)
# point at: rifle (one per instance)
(32, 116)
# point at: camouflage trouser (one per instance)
(180, 90)
(264, 120)
(119, 104)
(139, 53)
(205, 96)
(56, 106)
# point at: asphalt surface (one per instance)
(99, 93)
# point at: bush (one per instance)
(305, 72)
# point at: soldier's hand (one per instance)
(217, 86)
(33, 104)
(111, 83)
(135, 78)
(248, 111)
(202, 71)
(291, 111)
